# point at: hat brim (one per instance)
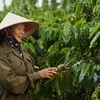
(13, 19)
(30, 27)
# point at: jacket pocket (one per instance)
(15, 61)
(17, 64)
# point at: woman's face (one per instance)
(18, 31)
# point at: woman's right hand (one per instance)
(48, 72)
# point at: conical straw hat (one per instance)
(13, 19)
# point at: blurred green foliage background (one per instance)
(69, 33)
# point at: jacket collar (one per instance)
(9, 49)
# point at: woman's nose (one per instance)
(22, 32)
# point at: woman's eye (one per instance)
(24, 29)
(19, 28)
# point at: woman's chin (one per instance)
(19, 40)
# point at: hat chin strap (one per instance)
(8, 34)
(7, 30)
(12, 42)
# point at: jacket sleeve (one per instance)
(33, 76)
(12, 82)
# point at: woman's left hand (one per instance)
(64, 69)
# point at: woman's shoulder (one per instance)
(2, 52)
(1, 49)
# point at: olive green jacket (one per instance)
(17, 74)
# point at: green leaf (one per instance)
(78, 9)
(52, 48)
(65, 50)
(84, 69)
(95, 30)
(93, 42)
(66, 29)
(57, 86)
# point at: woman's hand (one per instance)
(48, 72)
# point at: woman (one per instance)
(17, 72)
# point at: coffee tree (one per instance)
(70, 35)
